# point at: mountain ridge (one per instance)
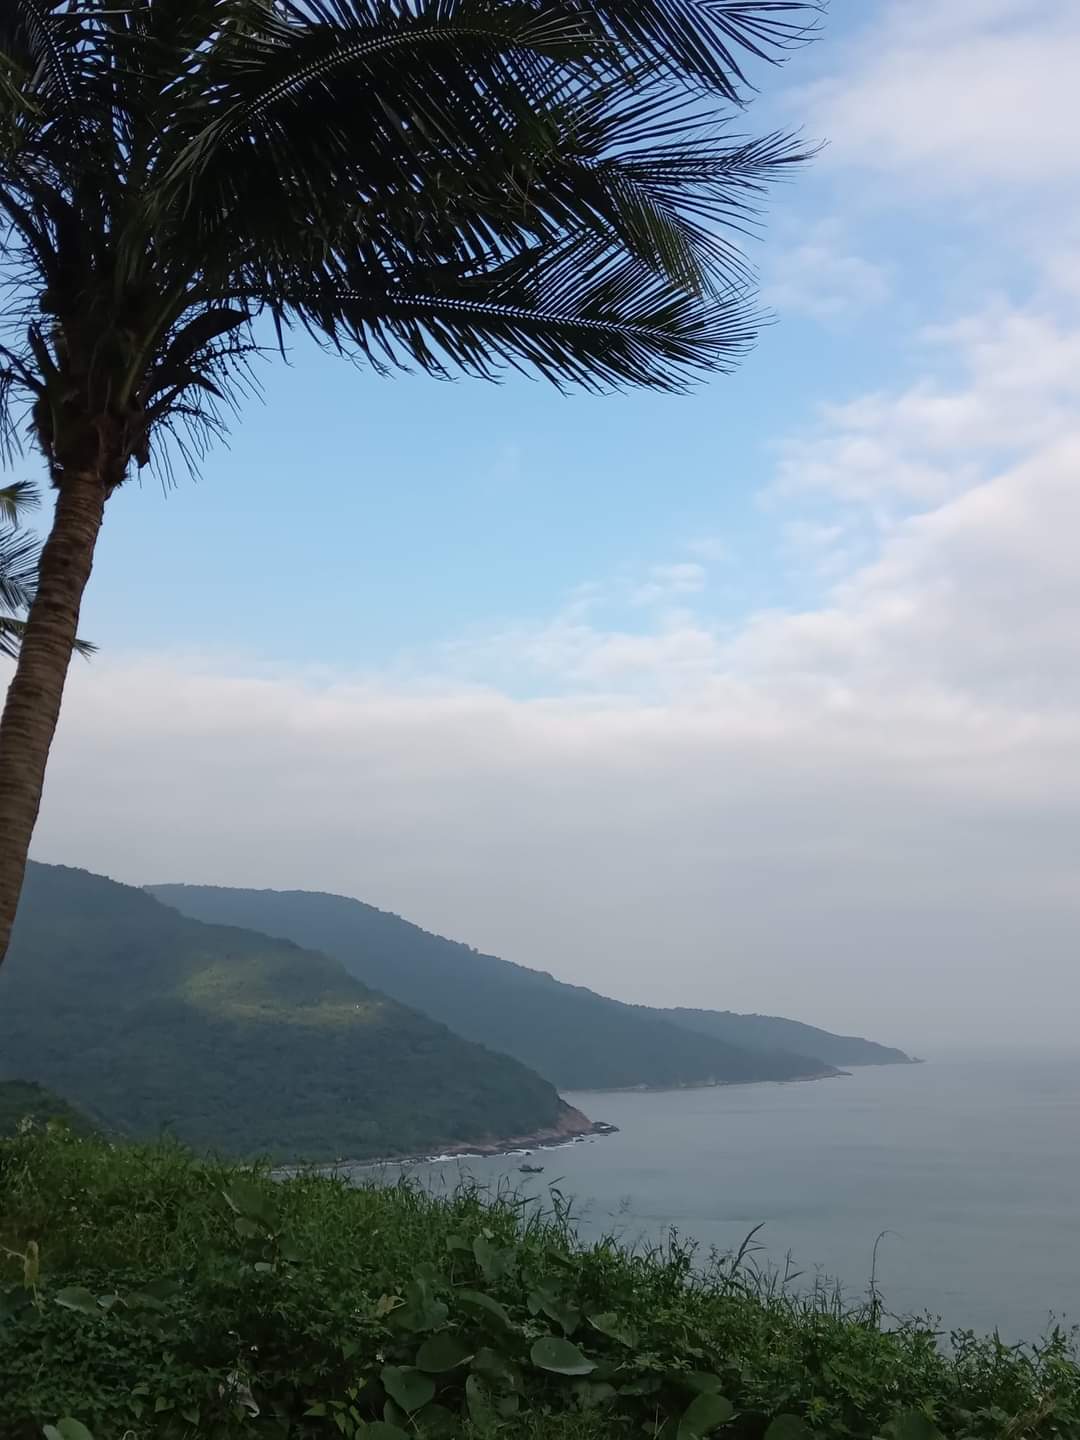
(578, 1039)
(842, 1050)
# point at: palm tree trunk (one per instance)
(33, 700)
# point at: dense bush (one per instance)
(149, 1294)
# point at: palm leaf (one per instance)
(705, 39)
(12, 632)
(20, 553)
(448, 184)
(16, 499)
(18, 569)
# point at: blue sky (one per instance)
(763, 698)
(414, 509)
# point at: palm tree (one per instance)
(449, 185)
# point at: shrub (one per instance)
(150, 1294)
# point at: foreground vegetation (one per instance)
(149, 1294)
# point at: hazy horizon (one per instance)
(765, 699)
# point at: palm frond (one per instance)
(32, 42)
(577, 318)
(706, 39)
(458, 185)
(12, 632)
(19, 554)
(17, 499)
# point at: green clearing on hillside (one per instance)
(577, 1039)
(151, 1296)
(153, 1022)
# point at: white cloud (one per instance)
(820, 275)
(957, 93)
(1018, 389)
(671, 582)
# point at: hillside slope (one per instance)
(770, 1032)
(579, 1040)
(231, 1040)
(22, 1100)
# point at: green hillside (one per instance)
(578, 1039)
(232, 1040)
(770, 1032)
(22, 1100)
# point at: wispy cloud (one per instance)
(1018, 389)
(671, 582)
(822, 276)
(953, 96)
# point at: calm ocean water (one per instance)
(973, 1169)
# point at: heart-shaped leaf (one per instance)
(611, 1325)
(703, 1415)
(478, 1404)
(442, 1352)
(788, 1427)
(478, 1301)
(701, 1382)
(436, 1421)
(77, 1297)
(495, 1369)
(560, 1356)
(380, 1430)
(67, 1429)
(913, 1425)
(420, 1311)
(492, 1261)
(251, 1201)
(162, 1289)
(566, 1316)
(411, 1389)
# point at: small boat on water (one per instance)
(531, 1169)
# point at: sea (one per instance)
(964, 1175)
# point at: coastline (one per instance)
(554, 1139)
(572, 1128)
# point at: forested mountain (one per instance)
(574, 1037)
(150, 1020)
(768, 1032)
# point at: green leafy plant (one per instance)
(179, 1299)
